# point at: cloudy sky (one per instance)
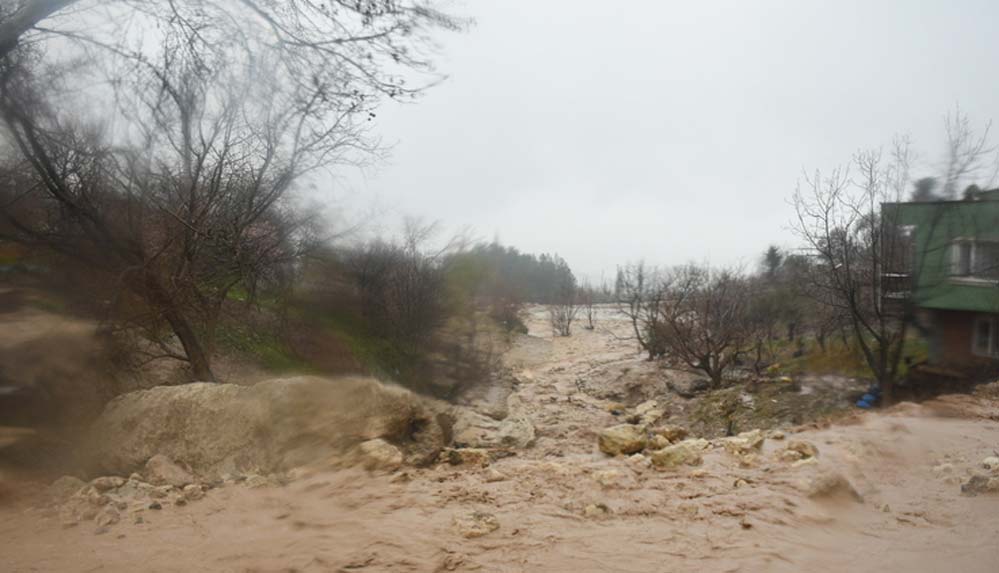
(667, 131)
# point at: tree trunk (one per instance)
(195, 351)
(887, 393)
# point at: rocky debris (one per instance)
(492, 475)
(672, 433)
(806, 449)
(379, 455)
(269, 426)
(193, 492)
(616, 408)
(980, 484)
(657, 442)
(991, 463)
(255, 481)
(106, 483)
(689, 388)
(105, 499)
(467, 456)
(596, 510)
(65, 487)
(649, 412)
(638, 462)
(776, 435)
(107, 517)
(621, 439)
(475, 524)
(160, 470)
(474, 430)
(797, 450)
(687, 452)
(744, 443)
(608, 478)
(829, 483)
(945, 468)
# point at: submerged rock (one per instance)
(830, 483)
(475, 524)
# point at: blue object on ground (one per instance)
(863, 404)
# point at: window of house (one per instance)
(986, 260)
(978, 259)
(960, 264)
(986, 337)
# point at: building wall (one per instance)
(953, 344)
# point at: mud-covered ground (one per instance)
(883, 494)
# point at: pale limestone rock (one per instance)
(379, 455)
(621, 439)
(160, 470)
(686, 452)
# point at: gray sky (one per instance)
(669, 131)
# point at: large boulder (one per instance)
(275, 424)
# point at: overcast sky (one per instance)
(668, 131)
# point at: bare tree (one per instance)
(639, 295)
(587, 300)
(968, 153)
(851, 237)
(706, 320)
(563, 307)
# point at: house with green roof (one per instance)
(949, 277)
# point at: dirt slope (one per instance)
(563, 506)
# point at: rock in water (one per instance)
(672, 433)
(468, 456)
(475, 524)
(829, 484)
(160, 470)
(744, 443)
(799, 450)
(687, 452)
(377, 454)
(621, 439)
(474, 430)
